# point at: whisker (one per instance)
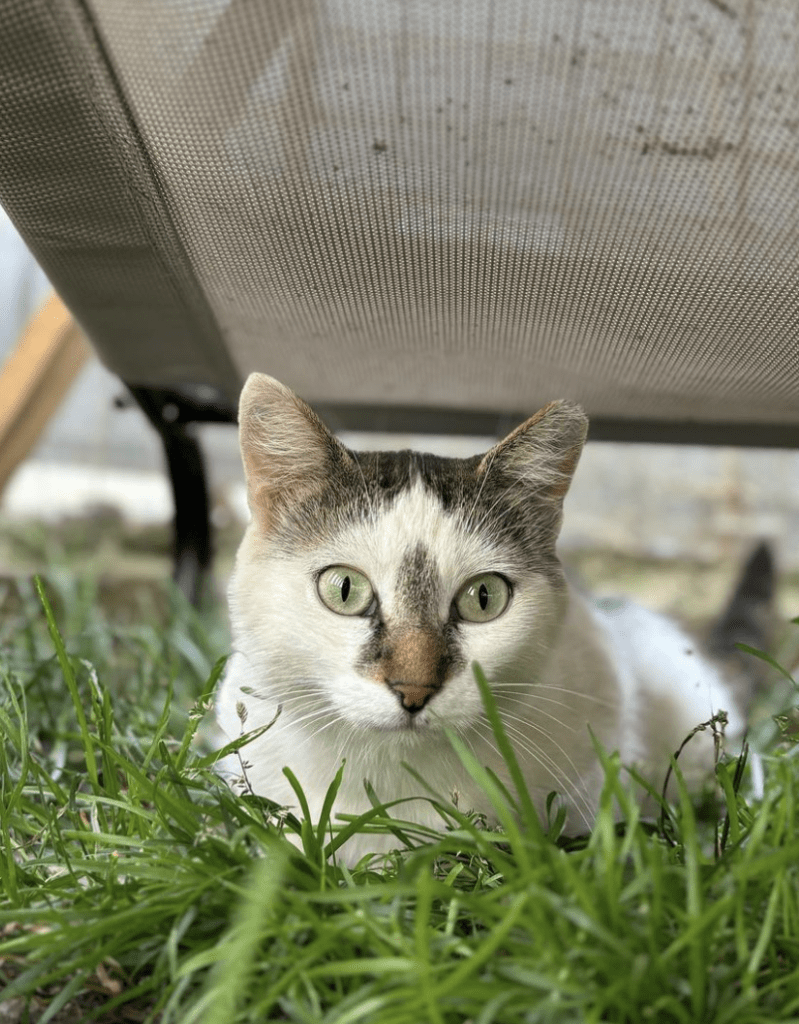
(312, 696)
(535, 687)
(542, 711)
(341, 753)
(487, 737)
(578, 790)
(543, 732)
(317, 732)
(500, 692)
(312, 716)
(559, 779)
(553, 769)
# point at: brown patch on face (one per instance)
(417, 658)
(414, 662)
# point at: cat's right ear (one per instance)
(543, 452)
(288, 453)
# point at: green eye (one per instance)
(345, 591)
(483, 598)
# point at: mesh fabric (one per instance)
(459, 204)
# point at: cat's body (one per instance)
(368, 584)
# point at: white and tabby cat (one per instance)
(368, 583)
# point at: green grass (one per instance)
(136, 886)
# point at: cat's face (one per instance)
(367, 584)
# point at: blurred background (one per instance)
(667, 524)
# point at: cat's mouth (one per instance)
(406, 724)
(414, 722)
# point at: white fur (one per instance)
(557, 666)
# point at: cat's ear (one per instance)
(288, 453)
(544, 451)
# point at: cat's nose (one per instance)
(412, 696)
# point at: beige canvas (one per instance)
(456, 204)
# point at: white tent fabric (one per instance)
(467, 206)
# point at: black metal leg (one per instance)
(192, 527)
(171, 415)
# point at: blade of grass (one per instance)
(697, 965)
(422, 930)
(529, 813)
(769, 661)
(310, 845)
(486, 781)
(227, 986)
(766, 932)
(327, 805)
(69, 679)
(200, 707)
(486, 950)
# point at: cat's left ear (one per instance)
(288, 453)
(544, 451)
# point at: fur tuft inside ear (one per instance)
(286, 449)
(543, 452)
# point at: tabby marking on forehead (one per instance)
(419, 586)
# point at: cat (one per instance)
(367, 585)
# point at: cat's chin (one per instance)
(407, 725)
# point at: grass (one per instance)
(137, 887)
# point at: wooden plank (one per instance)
(35, 379)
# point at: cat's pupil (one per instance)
(345, 589)
(482, 596)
